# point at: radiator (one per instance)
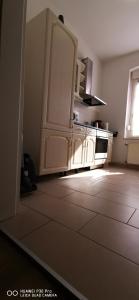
(133, 153)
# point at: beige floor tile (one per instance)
(128, 200)
(122, 180)
(76, 183)
(114, 235)
(123, 184)
(134, 221)
(66, 213)
(53, 189)
(24, 222)
(88, 187)
(126, 187)
(94, 271)
(108, 208)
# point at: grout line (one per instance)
(35, 229)
(59, 198)
(96, 193)
(82, 235)
(77, 232)
(108, 249)
(107, 190)
(94, 211)
(120, 193)
(133, 226)
(82, 207)
(87, 223)
(55, 220)
(131, 215)
(114, 201)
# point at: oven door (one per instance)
(101, 147)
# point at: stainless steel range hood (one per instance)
(93, 100)
(89, 99)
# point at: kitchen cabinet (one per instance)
(50, 64)
(78, 151)
(83, 147)
(59, 78)
(109, 151)
(55, 151)
(90, 143)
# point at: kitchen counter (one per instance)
(90, 126)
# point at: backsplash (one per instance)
(86, 114)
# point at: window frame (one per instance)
(129, 108)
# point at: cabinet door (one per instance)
(55, 151)
(109, 155)
(60, 65)
(90, 151)
(78, 146)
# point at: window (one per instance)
(135, 110)
(132, 114)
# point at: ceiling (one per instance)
(110, 27)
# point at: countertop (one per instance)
(90, 126)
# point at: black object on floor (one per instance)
(28, 175)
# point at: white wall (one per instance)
(115, 74)
(34, 7)
(13, 24)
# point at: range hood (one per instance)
(89, 99)
(93, 100)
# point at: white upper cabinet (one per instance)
(50, 64)
(59, 77)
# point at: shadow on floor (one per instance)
(19, 271)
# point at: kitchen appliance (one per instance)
(101, 145)
(98, 124)
(86, 85)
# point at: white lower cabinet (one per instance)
(109, 151)
(63, 151)
(89, 151)
(83, 151)
(55, 151)
(78, 149)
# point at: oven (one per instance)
(101, 145)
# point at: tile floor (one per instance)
(85, 226)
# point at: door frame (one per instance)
(11, 113)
